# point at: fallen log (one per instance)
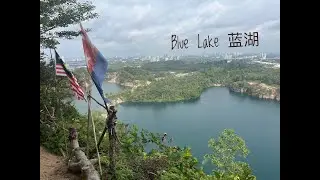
(81, 162)
(75, 168)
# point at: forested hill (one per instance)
(172, 81)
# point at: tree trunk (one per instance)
(82, 163)
(111, 122)
(111, 154)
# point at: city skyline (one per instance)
(212, 55)
(140, 27)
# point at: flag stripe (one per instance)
(75, 85)
(61, 74)
(59, 70)
(77, 93)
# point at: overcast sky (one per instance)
(144, 27)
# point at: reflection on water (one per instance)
(159, 104)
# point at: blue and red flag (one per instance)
(97, 65)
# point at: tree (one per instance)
(55, 93)
(60, 14)
(225, 151)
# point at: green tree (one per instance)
(55, 94)
(225, 151)
(60, 14)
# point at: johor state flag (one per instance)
(97, 64)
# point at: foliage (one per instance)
(225, 150)
(129, 74)
(176, 66)
(173, 87)
(60, 14)
(56, 107)
(161, 162)
(169, 89)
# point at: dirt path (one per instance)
(52, 167)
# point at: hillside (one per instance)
(52, 167)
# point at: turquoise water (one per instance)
(194, 123)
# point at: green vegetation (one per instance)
(114, 66)
(176, 66)
(256, 80)
(55, 94)
(169, 89)
(163, 162)
(59, 14)
(129, 74)
(57, 114)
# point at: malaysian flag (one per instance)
(61, 70)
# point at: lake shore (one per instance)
(258, 90)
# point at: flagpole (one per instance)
(94, 130)
(50, 54)
(89, 88)
(58, 101)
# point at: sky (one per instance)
(144, 27)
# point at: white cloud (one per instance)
(130, 27)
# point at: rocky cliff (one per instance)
(259, 90)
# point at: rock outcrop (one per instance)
(259, 90)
